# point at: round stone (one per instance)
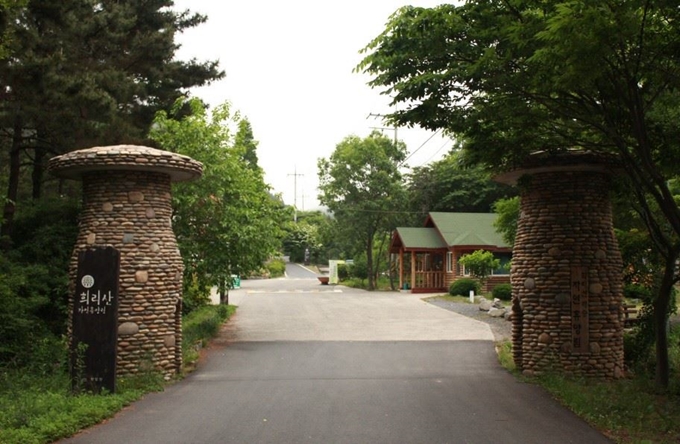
(142, 276)
(91, 238)
(169, 340)
(529, 283)
(618, 373)
(567, 347)
(155, 248)
(135, 196)
(600, 254)
(595, 348)
(107, 207)
(545, 338)
(595, 288)
(150, 212)
(128, 328)
(554, 251)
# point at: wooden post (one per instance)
(413, 270)
(401, 268)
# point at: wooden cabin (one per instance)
(428, 256)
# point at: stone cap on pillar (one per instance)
(73, 165)
(571, 160)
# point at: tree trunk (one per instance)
(224, 292)
(369, 264)
(12, 186)
(38, 172)
(391, 271)
(661, 305)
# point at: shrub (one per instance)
(502, 292)
(343, 272)
(635, 291)
(462, 287)
(276, 267)
(359, 269)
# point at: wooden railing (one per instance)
(429, 279)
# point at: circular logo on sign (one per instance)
(87, 281)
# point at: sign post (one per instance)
(95, 320)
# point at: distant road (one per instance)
(297, 271)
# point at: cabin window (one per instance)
(504, 268)
(449, 262)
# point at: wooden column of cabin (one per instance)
(413, 270)
(401, 268)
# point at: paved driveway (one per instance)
(306, 363)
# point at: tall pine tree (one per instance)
(82, 73)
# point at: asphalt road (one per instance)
(306, 363)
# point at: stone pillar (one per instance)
(566, 269)
(127, 205)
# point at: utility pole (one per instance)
(295, 176)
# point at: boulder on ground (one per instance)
(485, 305)
(497, 312)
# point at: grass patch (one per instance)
(383, 283)
(38, 407)
(198, 327)
(504, 350)
(627, 411)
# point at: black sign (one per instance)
(95, 320)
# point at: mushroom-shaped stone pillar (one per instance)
(127, 206)
(566, 268)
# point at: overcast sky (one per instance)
(289, 69)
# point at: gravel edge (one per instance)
(501, 328)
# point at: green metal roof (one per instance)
(467, 229)
(420, 238)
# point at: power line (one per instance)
(436, 152)
(422, 145)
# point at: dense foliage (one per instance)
(450, 185)
(34, 279)
(514, 78)
(362, 186)
(80, 73)
(226, 223)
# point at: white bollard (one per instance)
(472, 296)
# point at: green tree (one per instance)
(513, 78)
(83, 73)
(480, 264)
(8, 12)
(246, 144)
(450, 185)
(361, 185)
(508, 215)
(226, 222)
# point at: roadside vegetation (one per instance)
(37, 405)
(629, 410)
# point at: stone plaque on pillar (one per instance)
(95, 320)
(579, 310)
